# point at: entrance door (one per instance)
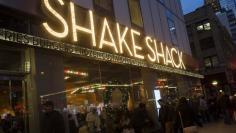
(13, 107)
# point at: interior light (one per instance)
(214, 83)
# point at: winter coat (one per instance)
(53, 122)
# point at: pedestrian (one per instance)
(166, 116)
(93, 121)
(234, 107)
(225, 107)
(125, 124)
(140, 118)
(187, 116)
(7, 123)
(72, 124)
(52, 121)
(204, 109)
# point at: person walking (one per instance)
(72, 124)
(140, 118)
(204, 109)
(166, 116)
(225, 107)
(93, 121)
(52, 121)
(187, 116)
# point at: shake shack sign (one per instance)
(66, 21)
(70, 29)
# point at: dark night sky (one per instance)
(191, 5)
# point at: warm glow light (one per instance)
(121, 39)
(169, 59)
(76, 73)
(156, 51)
(59, 17)
(153, 58)
(105, 28)
(160, 54)
(180, 54)
(66, 77)
(135, 47)
(80, 28)
(215, 83)
(173, 50)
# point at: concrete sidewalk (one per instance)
(218, 127)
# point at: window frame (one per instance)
(141, 14)
(170, 18)
(104, 12)
(210, 58)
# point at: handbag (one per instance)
(190, 129)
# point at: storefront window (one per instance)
(107, 87)
(10, 60)
(13, 106)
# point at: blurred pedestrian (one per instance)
(52, 121)
(225, 107)
(140, 118)
(72, 124)
(187, 116)
(93, 121)
(166, 116)
(204, 109)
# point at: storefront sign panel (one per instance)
(29, 40)
(150, 50)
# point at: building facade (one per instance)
(215, 4)
(82, 54)
(228, 8)
(212, 45)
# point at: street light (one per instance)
(214, 83)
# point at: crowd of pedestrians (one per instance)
(12, 123)
(186, 115)
(175, 116)
(110, 120)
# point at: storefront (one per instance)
(83, 63)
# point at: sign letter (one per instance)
(135, 47)
(80, 28)
(59, 17)
(103, 41)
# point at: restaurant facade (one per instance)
(84, 54)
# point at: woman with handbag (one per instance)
(187, 116)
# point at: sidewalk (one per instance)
(218, 127)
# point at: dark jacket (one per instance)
(53, 122)
(187, 115)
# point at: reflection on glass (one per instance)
(12, 106)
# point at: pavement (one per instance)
(218, 127)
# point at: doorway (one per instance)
(13, 104)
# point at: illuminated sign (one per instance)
(72, 72)
(38, 42)
(115, 40)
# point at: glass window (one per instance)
(200, 27)
(215, 61)
(101, 85)
(204, 26)
(135, 12)
(105, 4)
(207, 62)
(211, 61)
(172, 28)
(207, 26)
